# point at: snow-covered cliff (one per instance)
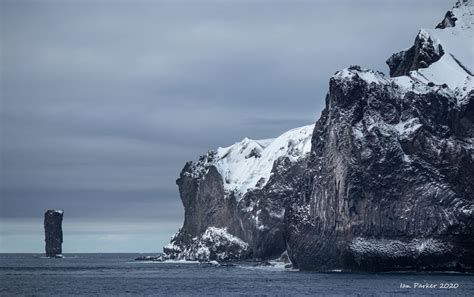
(383, 181)
(390, 181)
(248, 164)
(241, 189)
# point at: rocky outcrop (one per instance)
(243, 190)
(428, 47)
(389, 180)
(215, 244)
(383, 181)
(422, 54)
(53, 232)
(389, 184)
(448, 21)
(450, 18)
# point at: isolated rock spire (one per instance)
(53, 232)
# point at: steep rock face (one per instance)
(390, 179)
(423, 53)
(243, 190)
(383, 181)
(53, 232)
(386, 169)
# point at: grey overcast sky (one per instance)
(102, 102)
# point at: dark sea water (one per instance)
(119, 275)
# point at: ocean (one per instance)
(120, 275)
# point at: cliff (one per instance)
(239, 193)
(383, 181)
(390, 181)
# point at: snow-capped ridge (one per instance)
(442, 56)
(400, 84)
(248, 163)
(455, 16)
(442, 60)
(455, 67)
(367, 75)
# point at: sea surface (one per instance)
(120, 275)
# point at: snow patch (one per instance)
(456, 66)
(367, 75)
(215, 244)
(451, 74)
(405, 128)
(388, 248)
(242, 170)
(248, 164)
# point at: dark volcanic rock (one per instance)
(267, 205)
(255, 216)
(386, 184)
(450, 18)
(53, 232)
(427, 50)
(448, 21)
(389, 182)
(421, 55)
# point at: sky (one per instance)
(103, 102)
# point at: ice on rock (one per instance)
(408, 127)
(248, 164)
(370, 76)
(452, 73)
(456, 66)
(242, 171)
(366, 247)
(215, 244)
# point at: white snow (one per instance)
(214, 240)
(216, 234)
(370, 76)
(408, 127)
(394, 248)
(172, 245)
(457, 43)
(358, 133)
(454, 68)
(247, 162)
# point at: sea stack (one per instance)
(53, 220)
